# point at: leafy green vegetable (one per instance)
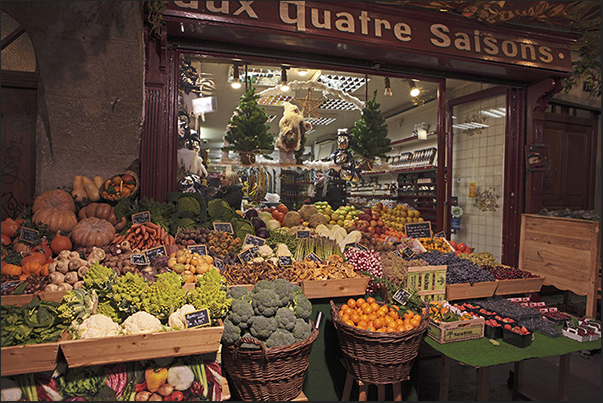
(35, 322)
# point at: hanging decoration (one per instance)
(315, 86)
(344, 158)
(309, 105)
(292, 133)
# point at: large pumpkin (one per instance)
(92, 231)
(104, 211)
(56, 209)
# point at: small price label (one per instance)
(285, 260)
(408, 253)
(137, 258)
(200, 249)
(302, 234)
(418, 229)
(254, 240)
(312, 256)
(149, 253)
(141, 218)
(440, 234)
(246, 256)
(28, 235)
(223, 227)
(401, 296)
(218, 263)
(197, 318)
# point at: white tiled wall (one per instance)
(479, 158)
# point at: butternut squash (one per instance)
(98, 181)
(78, 191)
(91, 189)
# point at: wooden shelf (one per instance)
(396, 171)
(412, 139)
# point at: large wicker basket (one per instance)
(267, 374)
(378, 358)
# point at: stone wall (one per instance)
(90, 58)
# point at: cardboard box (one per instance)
(482, 289)
(448, 332)
(114, 349)
(519, 286)
(29, 358)
(335, 288)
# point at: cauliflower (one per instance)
(265, 251)
(181, 377)
(95, 326)
(141, 322)
(177, 320)
(283, 250)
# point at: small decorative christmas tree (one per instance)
(369, 134)
(247, 131)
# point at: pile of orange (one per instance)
(369, 315)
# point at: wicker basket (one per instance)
(267, 374)
(131, 195)
(378, 358)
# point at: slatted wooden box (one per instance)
(482, 289)
(345, 287)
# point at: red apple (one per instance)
(379, 223)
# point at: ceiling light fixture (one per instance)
(302, 72)
(236, 83)
(388, 89)
(284, 86)
(414, 91)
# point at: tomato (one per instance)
(282, 208)
(461, 246)
(275, 214)
(453, 244)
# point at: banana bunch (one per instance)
(254, 190)
(245, 188)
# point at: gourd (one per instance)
(78, 191)
(11, 269)
(31, 268)
(56, 209)
(36, 257)
(98, 181)
(91, 189)
(59, 243)
(104, 211)
(92, 231)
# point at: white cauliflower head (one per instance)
(177, 320)
(141, 322)
(98, 325)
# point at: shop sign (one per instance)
(431, 33)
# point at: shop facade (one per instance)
(524, 67)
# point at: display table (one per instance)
(482, 354)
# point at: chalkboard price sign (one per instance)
(197, 318)
(223, 227)
(314, 257)
(246, 256)
(302, 234)
(29, 235)
(141, 218)
(361, 247)
(149, 253)
(285, 260)
(254, 240)
(401, 296)
(408, 252)
(137, 258)
(440, 234)
(200, 249)
(218, 263)
(418, 229)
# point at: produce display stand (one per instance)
(30, 358)
(565, 251)
(482, 289)
(345, 287)
(519, 286)
(115, 349)
(482, 355)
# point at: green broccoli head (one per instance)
(127, 291)
(239, 292)
(247, 335)
(302, 307)
(280, 337)
(286, 318)
(240, 312)
(261, 327)
(265, 302)
(99, 278)
(231, 333)
(302, 330)
(262, 285)
(163, 297)
(285, 290)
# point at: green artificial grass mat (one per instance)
(482, 353)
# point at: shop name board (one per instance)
(403, 29)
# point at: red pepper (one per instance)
(175, 396)
(141, 386)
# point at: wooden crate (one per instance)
(55, 296)
(519, 286)
(29, 359)
(448, 332)
(482, 289)
(428, 281)
(344, 287)
(109, 350)
(18, 300)
(565, 251)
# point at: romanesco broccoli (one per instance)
(99, 278)
(105, 307)
(280, 337)
(261, 327)
(286, 318)
(163, 297)
(127, 290)
(78, 304)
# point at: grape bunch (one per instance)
(458, 270)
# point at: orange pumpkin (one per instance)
(57, 199)
(9, 227)
(59, 243)
(37, 257)
(92, 231)
(31, 268)
(11, 269)
(104, 211)
(44, 270)
(57, 219)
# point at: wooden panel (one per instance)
(482, 289)
(29, 359)
(565, 251)
(519, 286)
(335, 288)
